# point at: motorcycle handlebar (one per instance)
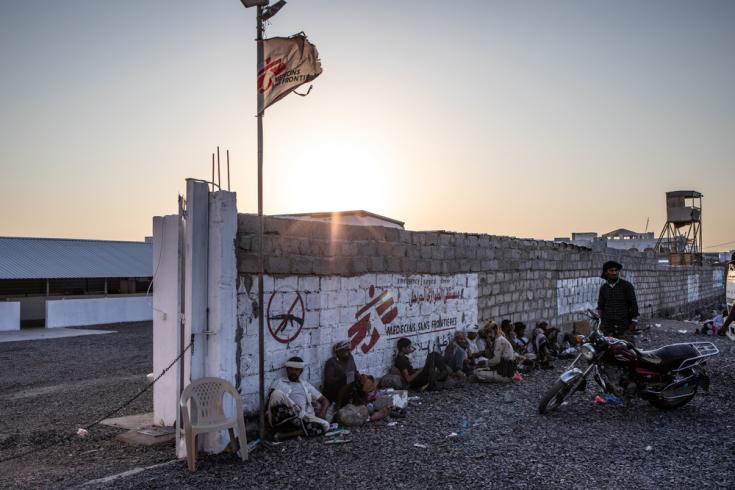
(592, 314)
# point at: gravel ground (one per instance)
(49, 388)
(509, 444)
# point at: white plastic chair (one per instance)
(206, 397)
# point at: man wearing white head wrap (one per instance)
(291, 405)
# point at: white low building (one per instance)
(50, 282)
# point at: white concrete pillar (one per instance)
(210, 296)
(222, 289)
(166, 318)
(196, 262)
(222, 298)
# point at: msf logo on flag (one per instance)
(266, 75)
(288, 63)
(363, 332)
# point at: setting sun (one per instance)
(349, 172)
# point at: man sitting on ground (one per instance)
(541, 345)
(502, 363)
(472, 347)
(456, 355)
(434, 368)
(359, 396)
(291, 405)
(506, 326)
(520, 342)
(339, 371)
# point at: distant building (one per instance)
(621, 238)
(358, 217)
(60, 282)
(628, 240)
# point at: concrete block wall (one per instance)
(521, 279)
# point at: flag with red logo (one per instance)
(288, 62)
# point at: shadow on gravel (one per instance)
(504, 442)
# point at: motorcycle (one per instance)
(667, 377)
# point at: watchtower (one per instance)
(681, 237)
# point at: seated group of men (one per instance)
(492, 345)
(491, 353)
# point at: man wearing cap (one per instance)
(291, 405)
(616, 304)
(339, 371)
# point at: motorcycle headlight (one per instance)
(587, 351)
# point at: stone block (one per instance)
(367, 248)
(376, 264)
(302, 265)
(423, 266)
(277, 265)
(408, 265)
(247, 223)
(391, 234)
(348, 249)
(308, 284)
(247, 264)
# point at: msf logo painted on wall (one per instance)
(270, 70)
(363, 332)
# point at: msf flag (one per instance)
(288, 63)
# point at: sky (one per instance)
(524, 118)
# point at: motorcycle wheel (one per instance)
(687, 390)
(671, 405)
(554, 397)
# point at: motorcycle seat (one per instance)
(666, 358)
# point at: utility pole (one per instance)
(261, 226)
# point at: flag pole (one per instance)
(261, 310)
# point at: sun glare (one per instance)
(344, 175)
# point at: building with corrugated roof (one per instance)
(37, 273)
(357, 217)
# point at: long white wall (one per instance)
(97, 311)
(9, 315)
(306, 315)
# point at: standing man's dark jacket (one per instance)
(617, 304)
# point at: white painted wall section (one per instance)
(166, 316)
(306, 315)
(718, 278)
(97, 311)
(9, 316)
(578, 294)
(692, 288)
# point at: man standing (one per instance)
(339, 371)
(616, 305)
(291, 405)
(726, 329)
